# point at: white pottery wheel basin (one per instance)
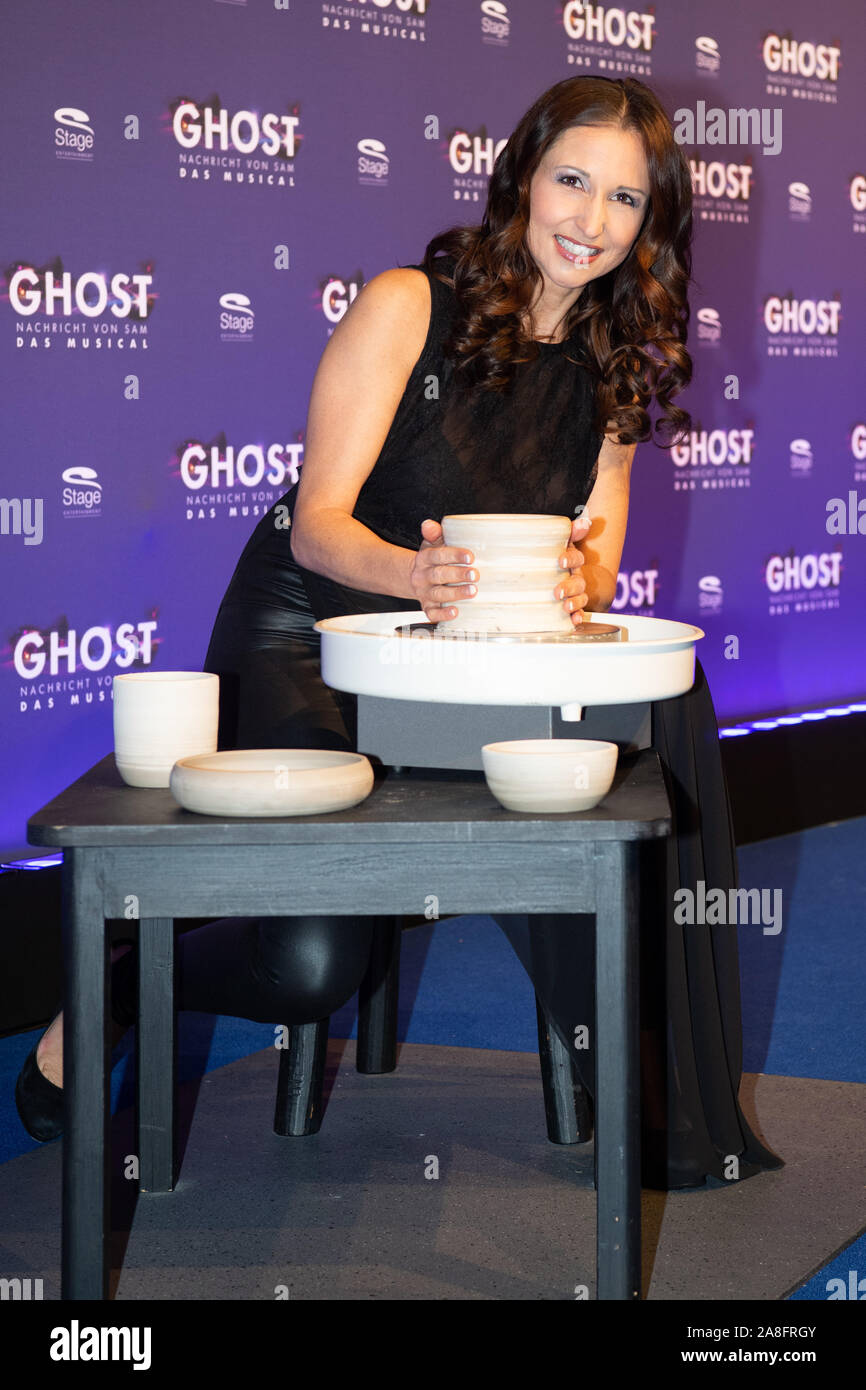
(363, 654)
(271, 782)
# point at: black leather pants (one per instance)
(273, 969)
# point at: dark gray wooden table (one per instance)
(132, 852)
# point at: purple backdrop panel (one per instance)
(194, 195)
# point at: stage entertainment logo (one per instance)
(73, 134)
(82, 492)
(713, 459)
(800, 458)
(472, 157)
(709, 330)
(801, 69)
(802, 327)
(616, 42)
(373, 162)
(710, 594)
(91, 311)
(708, 60)
(61, 667)
(237, 318)
(803, 583)
(495, 23)
(242, 148)
(799, 201)
(224, 480)
(378, 19)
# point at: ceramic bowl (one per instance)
(271, 782)
(549, 774)
(517, 559)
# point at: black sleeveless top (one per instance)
(532, 449)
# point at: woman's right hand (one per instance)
(437, 565)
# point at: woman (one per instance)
(510, 374)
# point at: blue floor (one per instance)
(802, 992)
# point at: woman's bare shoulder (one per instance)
(392, 312)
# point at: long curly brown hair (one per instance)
(630, 324)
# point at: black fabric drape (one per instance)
(691, 1023)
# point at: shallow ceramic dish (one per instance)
(271, 782)
(549, 774)
(517, 556)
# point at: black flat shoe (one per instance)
(38, 1101)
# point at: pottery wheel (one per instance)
(586, 632)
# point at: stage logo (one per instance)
(62, 666)
(803, 583)
(225, 480)
(710, 594)
(495, 23)
(799, 201)
(237, 318)
(471, 157)
(379, 19)
(801, 69)
(241, 148)
(373, 163)
(92, 310)
(713, 459)
(709, 330)
(82, 492)
(800, 458)
(636, 591)
(73, 134)
(802, 327)
(617, 42)
(721, 189)
(708, 61)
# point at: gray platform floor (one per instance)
(348, 1213)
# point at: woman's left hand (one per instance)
(572, 589)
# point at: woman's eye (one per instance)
(573, 181)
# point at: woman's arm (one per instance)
(359, 383)
(592, 585)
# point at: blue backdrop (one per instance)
(195, 190)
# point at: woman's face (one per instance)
(588, 198)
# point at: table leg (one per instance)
(566, 1105)
(86, 1073)
(156, 1041)
(378, 998)
(617, 1072)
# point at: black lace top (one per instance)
(532, 449)
(449, 450)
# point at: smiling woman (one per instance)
(510, 371)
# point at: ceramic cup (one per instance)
(160, 716)
(517, 561)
